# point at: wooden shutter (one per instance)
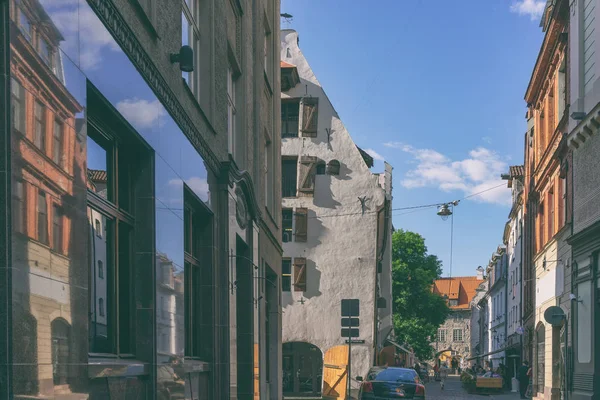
(301, 232)
(306, 176)
(335, 372)
(310, 115)
(299, 274)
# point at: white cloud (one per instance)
(533, 8)
(197, 184)
(394, 145)
(478, 172)
(141, 113)
(487, 139)
(85, 35)
(374, 154)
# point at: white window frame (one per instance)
(189, 13)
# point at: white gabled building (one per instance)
(337, 237)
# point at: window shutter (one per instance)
(310, 116)
(301, 224)
(307, 175)
(299, 274)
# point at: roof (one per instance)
(516, 171)
(366, 157)
(287, 65)
(461, 288)
(97, 175)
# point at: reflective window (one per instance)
(19, 207)
(45, 52)
(18, 110)
(190, 36)
(39, 133)
(57, 229)
(198, 278)
(25, 25)
(57, 143)
(42, 217)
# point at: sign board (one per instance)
(350, 308)
(349, 332)
(554, 315)
(356, 341)
(353, 322)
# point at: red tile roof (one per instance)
(461, 288)
(287, 65)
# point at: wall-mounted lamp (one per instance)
(185, 58)
(572, 297)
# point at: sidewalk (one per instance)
(453, 390)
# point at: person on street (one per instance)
(523, 377)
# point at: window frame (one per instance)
(21, 210)
(189, 13)
(57, 228)
(42, 216)
(287, 228)
(231, 111)
(198, 262)
(286, 106)
(18, 96)
(39, 138)
(27, 33)
(457, 335)
(286, 276)
(58, 135)
(289, 161)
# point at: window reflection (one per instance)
(98, 176)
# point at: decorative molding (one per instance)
(585, 129)
(114, 22)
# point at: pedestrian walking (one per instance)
(523, 377)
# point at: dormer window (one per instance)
(44, 50)
(453, 303)
(25, 25)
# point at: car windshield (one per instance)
(392, 374)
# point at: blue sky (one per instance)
(436, 89)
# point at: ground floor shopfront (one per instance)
(134, 265)
(584, 383)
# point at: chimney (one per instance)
(480, 273)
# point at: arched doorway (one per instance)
(60, 350)
(302, 369)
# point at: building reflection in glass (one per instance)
(48, 178)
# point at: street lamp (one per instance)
(447, 210)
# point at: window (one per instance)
(231, 112)
(453, 303)
(19, 207)
(562, 202)
(299, 274)
(100, 269)
(540, 357)
(101, 307)
(98, 229)
(25, 25)
(541, 227)
(190, 36)
(198, 289)
(39, 133)
(42, 217)
(286, 275)
(44, 51)
(333, 167)
(269, 172)
(310, 116)
(301, 232)
(287, 224)
(289, 171)
(18, 108)
(550, 213)
(290, 114)
(441, 336)
(57, 143)
(57, 229)
(457, 335)
(321, 168)
(266, 51)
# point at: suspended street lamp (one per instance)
(445, 211)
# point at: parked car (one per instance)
(384, 383)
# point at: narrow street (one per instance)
(454, 391)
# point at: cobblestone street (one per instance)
(454, 391)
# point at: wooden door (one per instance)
(335, 373)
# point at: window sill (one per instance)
(105, 367)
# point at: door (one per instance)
(335, 373)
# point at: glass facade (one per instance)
(106, 293)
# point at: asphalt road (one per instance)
(453, 391)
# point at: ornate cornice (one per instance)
(588, 127)
(126, 38)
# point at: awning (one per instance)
(488, 354)
(400, 347)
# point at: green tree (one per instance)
(418, 312)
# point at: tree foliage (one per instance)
(418, 312)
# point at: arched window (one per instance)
(60, 331)
(101, 306)
(333, 167)
(98, 228)
(100, 269)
